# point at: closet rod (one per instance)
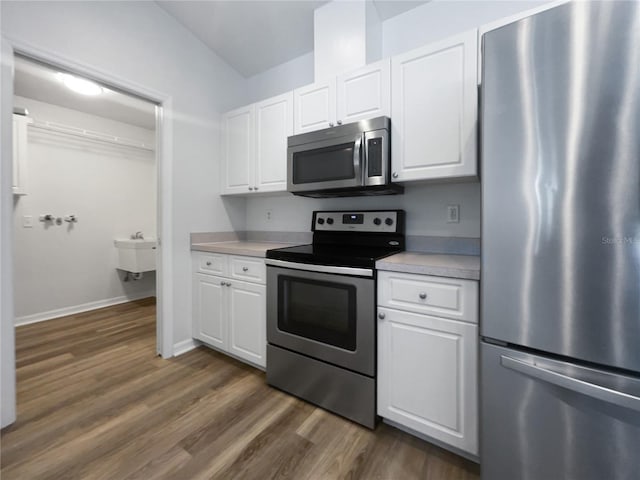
(90, 135)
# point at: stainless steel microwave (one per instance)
(343, 161)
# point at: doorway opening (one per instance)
(86, 196)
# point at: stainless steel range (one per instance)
(321, 298)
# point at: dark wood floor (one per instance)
(94, 402)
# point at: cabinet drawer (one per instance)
(211, 263)
(439, 296)
(250, 269)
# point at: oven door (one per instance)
(324, 315)
(325, 164)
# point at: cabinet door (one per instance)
(274, 123)
(209, 321)
(238, 151)
(19, 182)
(434, 109)
(364, 93)
(315, 106)
(427, 376)
(247, 321)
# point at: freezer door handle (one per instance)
(580, 386)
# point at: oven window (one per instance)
(321, 311)
(324, 164)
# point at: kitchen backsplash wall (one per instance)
(426, 207)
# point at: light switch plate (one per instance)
(453, 213)
(27, 221)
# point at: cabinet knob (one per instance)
(381, 315)
(223, 284)
(208, 264)
(339, 122)
(394, 174)
(422, 295)
(255, 188)
(331, 124)
(228, 284)
(245, 269)
(251, 188)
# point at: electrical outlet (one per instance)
(27, 221)
(269, 215)
(453, 213)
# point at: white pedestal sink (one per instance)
(136, 255)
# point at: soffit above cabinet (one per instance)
(253, 36)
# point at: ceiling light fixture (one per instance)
(80, 85)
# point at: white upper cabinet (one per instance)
(274, 123)
(315, 106)
(434, 110)
(364, 93)
(353, 96)
(238, 150)
(254, 146)
(19, 182)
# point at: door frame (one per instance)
(164, 201)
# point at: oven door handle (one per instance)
(310, 267)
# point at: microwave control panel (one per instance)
(378, 221)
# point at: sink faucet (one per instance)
(137, 236)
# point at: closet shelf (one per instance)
(90, 135)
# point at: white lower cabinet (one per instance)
(208, 310)
(229, 314)
(428, 374)
(247, 315)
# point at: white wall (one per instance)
(7, 350)
(439, 19)
(141, 43)
(425, 204)
(111, 189)
(282, 78)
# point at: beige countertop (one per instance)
(247, 248)
(454, 266)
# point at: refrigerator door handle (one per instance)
(585, 388)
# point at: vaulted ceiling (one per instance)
(255, 35)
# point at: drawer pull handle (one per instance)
(422, 295)
(245, 269)
(381, 316)
(208, 264)
(228, 284)
(222, 284)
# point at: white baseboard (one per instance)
(85, 307)
(185, 346)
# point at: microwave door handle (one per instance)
(357, 158)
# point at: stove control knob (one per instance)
(330, 221)
(389, 221)
(321, 221)
(377, 221)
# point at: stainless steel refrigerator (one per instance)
(560, 326)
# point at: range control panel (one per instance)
(376, 221)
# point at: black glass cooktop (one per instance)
(335, 255)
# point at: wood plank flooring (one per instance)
(95, 402)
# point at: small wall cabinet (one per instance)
(20, 155)
(427, 356)
(254, 146)
(229, 305)
(434, 110)
(353, 96)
